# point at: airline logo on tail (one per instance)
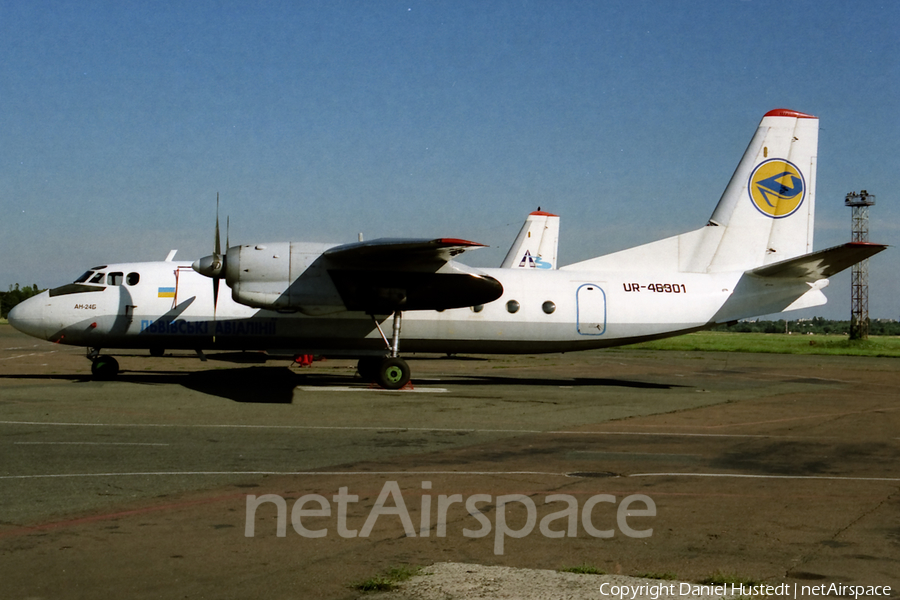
(534, 262)
(777, 188)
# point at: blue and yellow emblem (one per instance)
(777, 188)
(166, 292)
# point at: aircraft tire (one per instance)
(104, 367)
(393, 373)
(157, 352)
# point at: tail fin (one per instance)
(764, 216)
(536, 245)
(766, 213)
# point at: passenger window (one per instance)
(115, 278)
(133, 279)
(98, 278)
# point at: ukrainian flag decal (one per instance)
(777, 188)
(166, 292)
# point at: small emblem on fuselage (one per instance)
(777, 188)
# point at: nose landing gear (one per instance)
(103, 367)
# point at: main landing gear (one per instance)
(391, 372)
(103, 367)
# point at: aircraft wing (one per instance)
(384, 275)
(822, 264)
(400, 251)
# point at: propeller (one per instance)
(213, 266)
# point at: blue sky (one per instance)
(121, 121)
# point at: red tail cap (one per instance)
(784, 112)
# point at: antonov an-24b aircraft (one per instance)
(753, 257)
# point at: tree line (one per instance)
(14, 296)
(815, 325)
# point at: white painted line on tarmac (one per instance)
(420, 473)
(306, 473)
(27, 355)
(676, 434)
(295, 427)
(347, 388)
(605, 452)
(756, 476)
(89, 444)
(400, 428)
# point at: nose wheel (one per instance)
(104, 368)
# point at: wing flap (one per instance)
(822, 264)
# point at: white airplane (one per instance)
(753, 257)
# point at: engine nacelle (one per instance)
(282, 276)
(377, 277)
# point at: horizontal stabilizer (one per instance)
(822, 264)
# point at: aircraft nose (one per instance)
(28, 316)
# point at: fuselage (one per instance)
(168, 305)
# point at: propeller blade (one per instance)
(218, 247)
(218, 263)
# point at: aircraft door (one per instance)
(590, 306)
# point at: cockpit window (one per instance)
(133, 278)
(84, 277)
(75, 288)
(98, 278)
(115, 278)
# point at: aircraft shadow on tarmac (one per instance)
(264, 385)
(276, 384)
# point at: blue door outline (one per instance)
(587, 309)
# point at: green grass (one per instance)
(388, 580)
(583, 569)
(720, 578)
(668, 576)
(777, 343)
